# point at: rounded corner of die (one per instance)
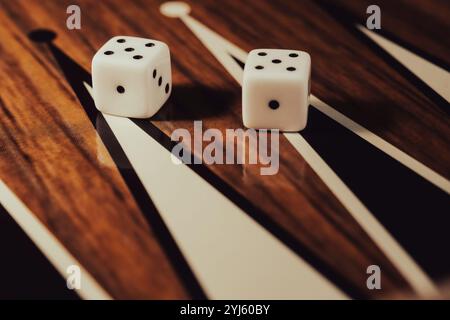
(95, 58)
(98, 105)
(247, 124)
(117, 37)
(149, 113)
(306, 56)
(164, 45)
(301, 127)
(255, 51)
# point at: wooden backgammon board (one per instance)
(361, 193)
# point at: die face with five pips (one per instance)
(275, 90)
(131, 76)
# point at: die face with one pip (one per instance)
(131, 76)
(275, 90)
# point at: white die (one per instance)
(131, 76)
(275, 90)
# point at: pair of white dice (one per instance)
(132, 78)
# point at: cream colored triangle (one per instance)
(436, 77)
(218, 46)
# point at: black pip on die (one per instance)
(131, 77)
(275, 90)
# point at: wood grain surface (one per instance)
(49, 147)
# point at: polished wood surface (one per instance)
(48, 146)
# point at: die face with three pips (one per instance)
(131, 76)
(275, 90)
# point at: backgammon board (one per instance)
(364, 189)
